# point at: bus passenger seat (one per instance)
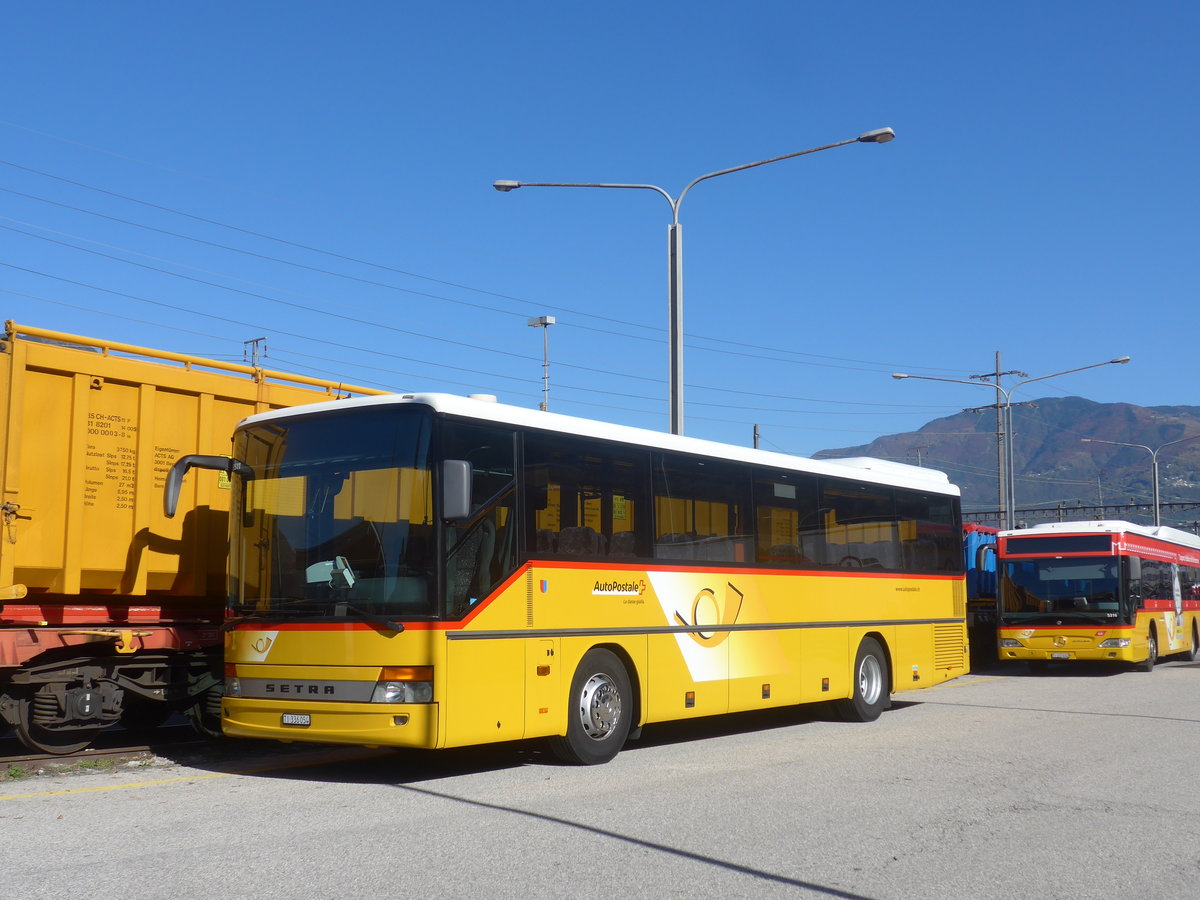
(547, 540)
(622, 545)
(785, 554)
(580, 540)
(675, 546)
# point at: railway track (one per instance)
(114, 746)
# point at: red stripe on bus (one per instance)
(567, 564)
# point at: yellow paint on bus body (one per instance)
(695, 642)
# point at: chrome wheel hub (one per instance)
(599, 707)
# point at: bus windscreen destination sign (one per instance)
(1059, 544)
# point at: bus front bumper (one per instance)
(1029, 653)
(362, 724)
(1059, 647)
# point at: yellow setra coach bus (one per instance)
(436, 571)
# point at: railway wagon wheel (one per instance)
(205, 715)
(39, 738)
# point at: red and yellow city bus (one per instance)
(435, 571)
(1098, 591)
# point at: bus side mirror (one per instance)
(981, 557)
(1135, 569)
(456, 489)
(197, 461)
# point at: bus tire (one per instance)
(599, 707)
(1147, 665)
(869, 683)
(1193, 652)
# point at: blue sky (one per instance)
(193, 176)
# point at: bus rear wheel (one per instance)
(870, 679)
(599, 709)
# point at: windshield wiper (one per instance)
(288, 608)
(341, 607)
(259, 615)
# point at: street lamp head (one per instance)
(899, 375)
(1120, 360)
(505, 186)
(878, 136)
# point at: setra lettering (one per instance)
(300, 688)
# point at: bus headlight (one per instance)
(404, 684)
(1009, 642)
(1115, 643)
(403, 692)
(233, 684)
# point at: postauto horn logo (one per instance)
(708, 611)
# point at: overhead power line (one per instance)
(792, 355)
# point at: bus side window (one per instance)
(481, 549)
(860, 525)
(700, 510)
(787, 526)
(930, 531)
(583, 499)
(1134, 581)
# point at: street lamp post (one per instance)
(1153, 463)
(544, 323)
(675, 250)
(1009, 473)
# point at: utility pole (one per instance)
(251, 350)
(544, 323)
(1001, 436)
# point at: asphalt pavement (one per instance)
(1078, 783)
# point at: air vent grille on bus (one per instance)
(960, 599)
(948, 646)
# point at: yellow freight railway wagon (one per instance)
(435, 571)
(109, 610)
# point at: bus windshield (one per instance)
(1084, 590)
(337, 517)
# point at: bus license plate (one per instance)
(1054, 656)
(301, 719)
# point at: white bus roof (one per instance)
(1109, 526)
(880, 471)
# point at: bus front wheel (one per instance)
(1147, 665)
(598, 711)
(870, 695)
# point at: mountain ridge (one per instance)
(1054, 466)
